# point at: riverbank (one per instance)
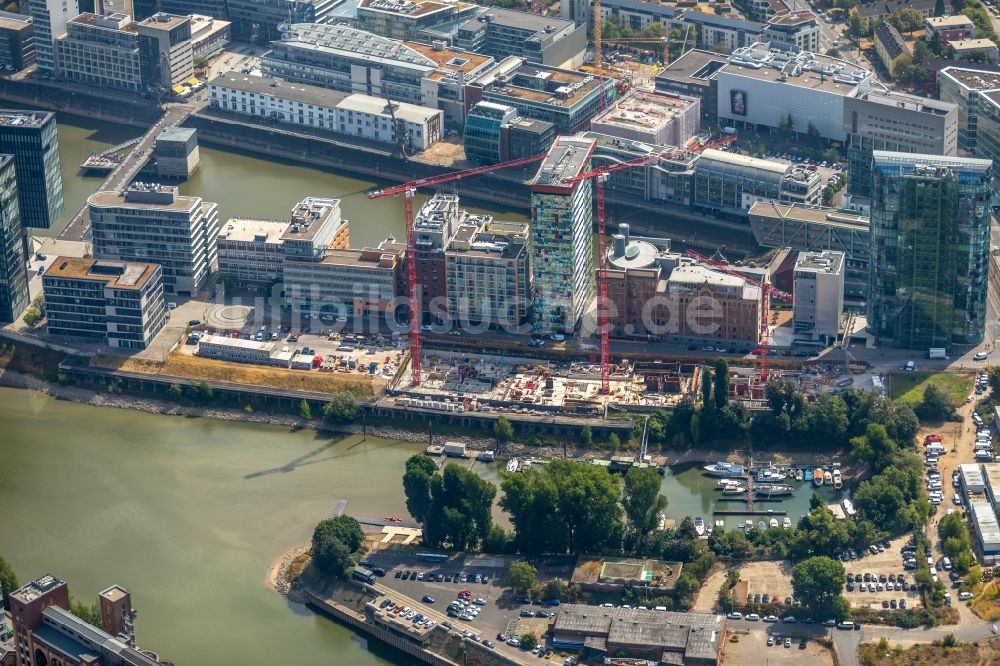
(280, 575)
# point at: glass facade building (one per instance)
(31, 137)
(930, 233)
(13, 265)
(483, 134)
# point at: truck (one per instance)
(364, 575)
(937, 352)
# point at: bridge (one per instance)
(108, 160)
(124, 171)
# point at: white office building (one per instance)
(818, 286)
(50, 18)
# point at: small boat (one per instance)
(734, 490)
(772, 490)
(818, 475)
(770, 476)
(838, 482)
(849, 508)
(720, 524)
(661, 521)
(798, 475)
(761, 525)
(512, 465)
(722, 468)
(773, 523)
(748, 525)
(807, 475)
(725, 483)
(699, 526)
(828, 478)
(786, 523)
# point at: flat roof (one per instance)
(295, 92)
(366, 258)
(568, 157)
(912, 160)
(107, 198)
(713, 154)
(906, 101)
(102, 21)
(377, 106)
(36, 588)
(12, 21)
(201, 23)
(825, 261)
(644, 109)
(803, 69)
(309, 216)
(164, 21)
(986, 520)
(235, 343)
(248, 229)
(559, 87)
(697, 274)
(778, 211)
(115, 274)
(411, 7)
(177, 134)
(638, 253)
(972, 44)
(691, 67)
(972, 475)
(521, 20)
(449, 60)
(946, 21)
(793, 18)
(17, 118)
(991, 471)
(971, 78)
(114, 593)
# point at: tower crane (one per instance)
(408, 190)
(768, 291)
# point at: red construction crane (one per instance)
(767, 292)
(600, 176)
(408, 190)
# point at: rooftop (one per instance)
(115, 274)
(236, 343)
(568, 157)
(891, 40)
(957, 21)
(972, 474)
(411, 8)
(991, 473)
(793, 18)
(373, 258)
(972, 79)
(803, 69)
(712, 154)
(181, 134)
(520, 20)
(309, 216)
(666, 11)
(109, 21)
(634, 253)
(36, 588)
(688, 276)
(972, 44)
(910, 162)
(723, 21)
(15, 118)
(886, 7)
(377, 106)
(826, 261)
(114, 593)
(647, 110)
(902, 100)
(776, 211)
(986, 519)
(164, 21)
(246, 230)
(548, 85)
(145, 196)
(694, 66)
(200, 23)
(295, 92)
(12, 21)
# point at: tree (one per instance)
(228, 284)
(342, 408)
(529, 641)
(91, 614)
(587, 436)
(721, 382)
(642, 500)
(503, 430)
(417, 486)
(939, 8)
(921, 51)
(906, 19)
(337, 544)
(305, 411)
(202, 391)
(818, 582)
(614, 442)
(521, 578)
(8, 581)
(856, 26)
(706, 387)
(813, 138)
(554, 589)
(936, 405)
(833, 52)
(175, 391)
(200, 61)
(459, 516)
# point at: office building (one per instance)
(796, 29)
(650, 117)
(146, 8)
(488, 272)
(259, 21)
(730, 183)
(117, 303)
(566, 98)
(419, 20)
(495, 133)
(950, 28)
(818, 287)
(152, 222)
(47, 633)
(722, 33)
(543, 39)
(315, 226)
(342, 58)
(17, 41)
(577, 11)
(165, 52)
(735, 312)
(250, 251)
(693, 75)
(31, 137)
(890, 47)
(815, 229)
(930, 222)
(101, 50)
(988, 125)
(562, 236)
(49, 18)
(209, 36)
(433, 227)
(963, 86)
(235, 350)
(979, 50)
(879, 119)
(667, 180)
(176, 152)
(13, 263)
(299, 104)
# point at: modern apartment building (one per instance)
(208, 35)
(722, 33)
(543, 39)
(562, 237)
(818, 280)
(637, 14)
(259, 21)
(496, 133)
(166, 54)
(117, 303)
(315, 226)
(31, 137)
(101, 50)
(342, 58)
(950, 27)
(731, 183)
(13, 271)
(17, 41)
(890, 47)
(434, 225)
(152, 222)
(47, 633)
(50, 18)
(798, 29)
(930, 222)
(963, 86)
(250, 251)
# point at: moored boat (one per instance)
(762, 525)
(786, 523)
(818, 475)
(512, 465)
(807, 475)
(773, 523)
(734, 490)
(849, 508)
(828, 478)
(699, 525)
(772, 490)
(725, 483)
(838, 481)
(770, 476)
(798, 475)
(722, 468)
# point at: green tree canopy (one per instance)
(818, 583)
(936, 405)
(521, 578)
(721, 382)
(342, 408)
(417, 486)
(8, 580)
(337, 544)
(459, 516)
(503, 430)
(642, 500)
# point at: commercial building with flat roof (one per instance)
(416, 128)
(354, 61)
(985, 527)
(119, 303)
(17, 41)
(732, 183)
(693, 74)
(13, 263)
(260, 21)
(543, 39)
(649, 117)
(31, 137)
(668, 179)
(209, 35)
(562, 237)
(237, 350)
(176, 151)
(152, 222)
(166, 53)
(101, 50)
(963, 86)
(566, 98)
(49, 19)
(250, 251)
(315, 226)
(421, 20)
(725, 308)
(938, 209)
(819, 294)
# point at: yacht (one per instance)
(838, 482)
(798, 475)
(722, 468)
(734, 490)
(725, 483)
(772, 490)
(770, 475)
(699, 526)
(849, 508)
(512, 465)
(828, 478)
(818, 475)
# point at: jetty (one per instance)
(108, 160)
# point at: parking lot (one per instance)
(753, 648)
(771, 578)
(880, 567)
(435, 585)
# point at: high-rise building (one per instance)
(258, 20)
(13, 271)
(166, 57)
(152, 222)
(31, 137)
(930, 233)
(146, 8)
(562, 238)
(100, 50)
(819, 294)
(17, 41)
(51, 17)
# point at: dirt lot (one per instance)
(752, 648)
(773, 578)
(979, 654)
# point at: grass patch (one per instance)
(986, 605)
(31, 360)
(980, 652)
(298, 565)
(191, 367)
(908, 387)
